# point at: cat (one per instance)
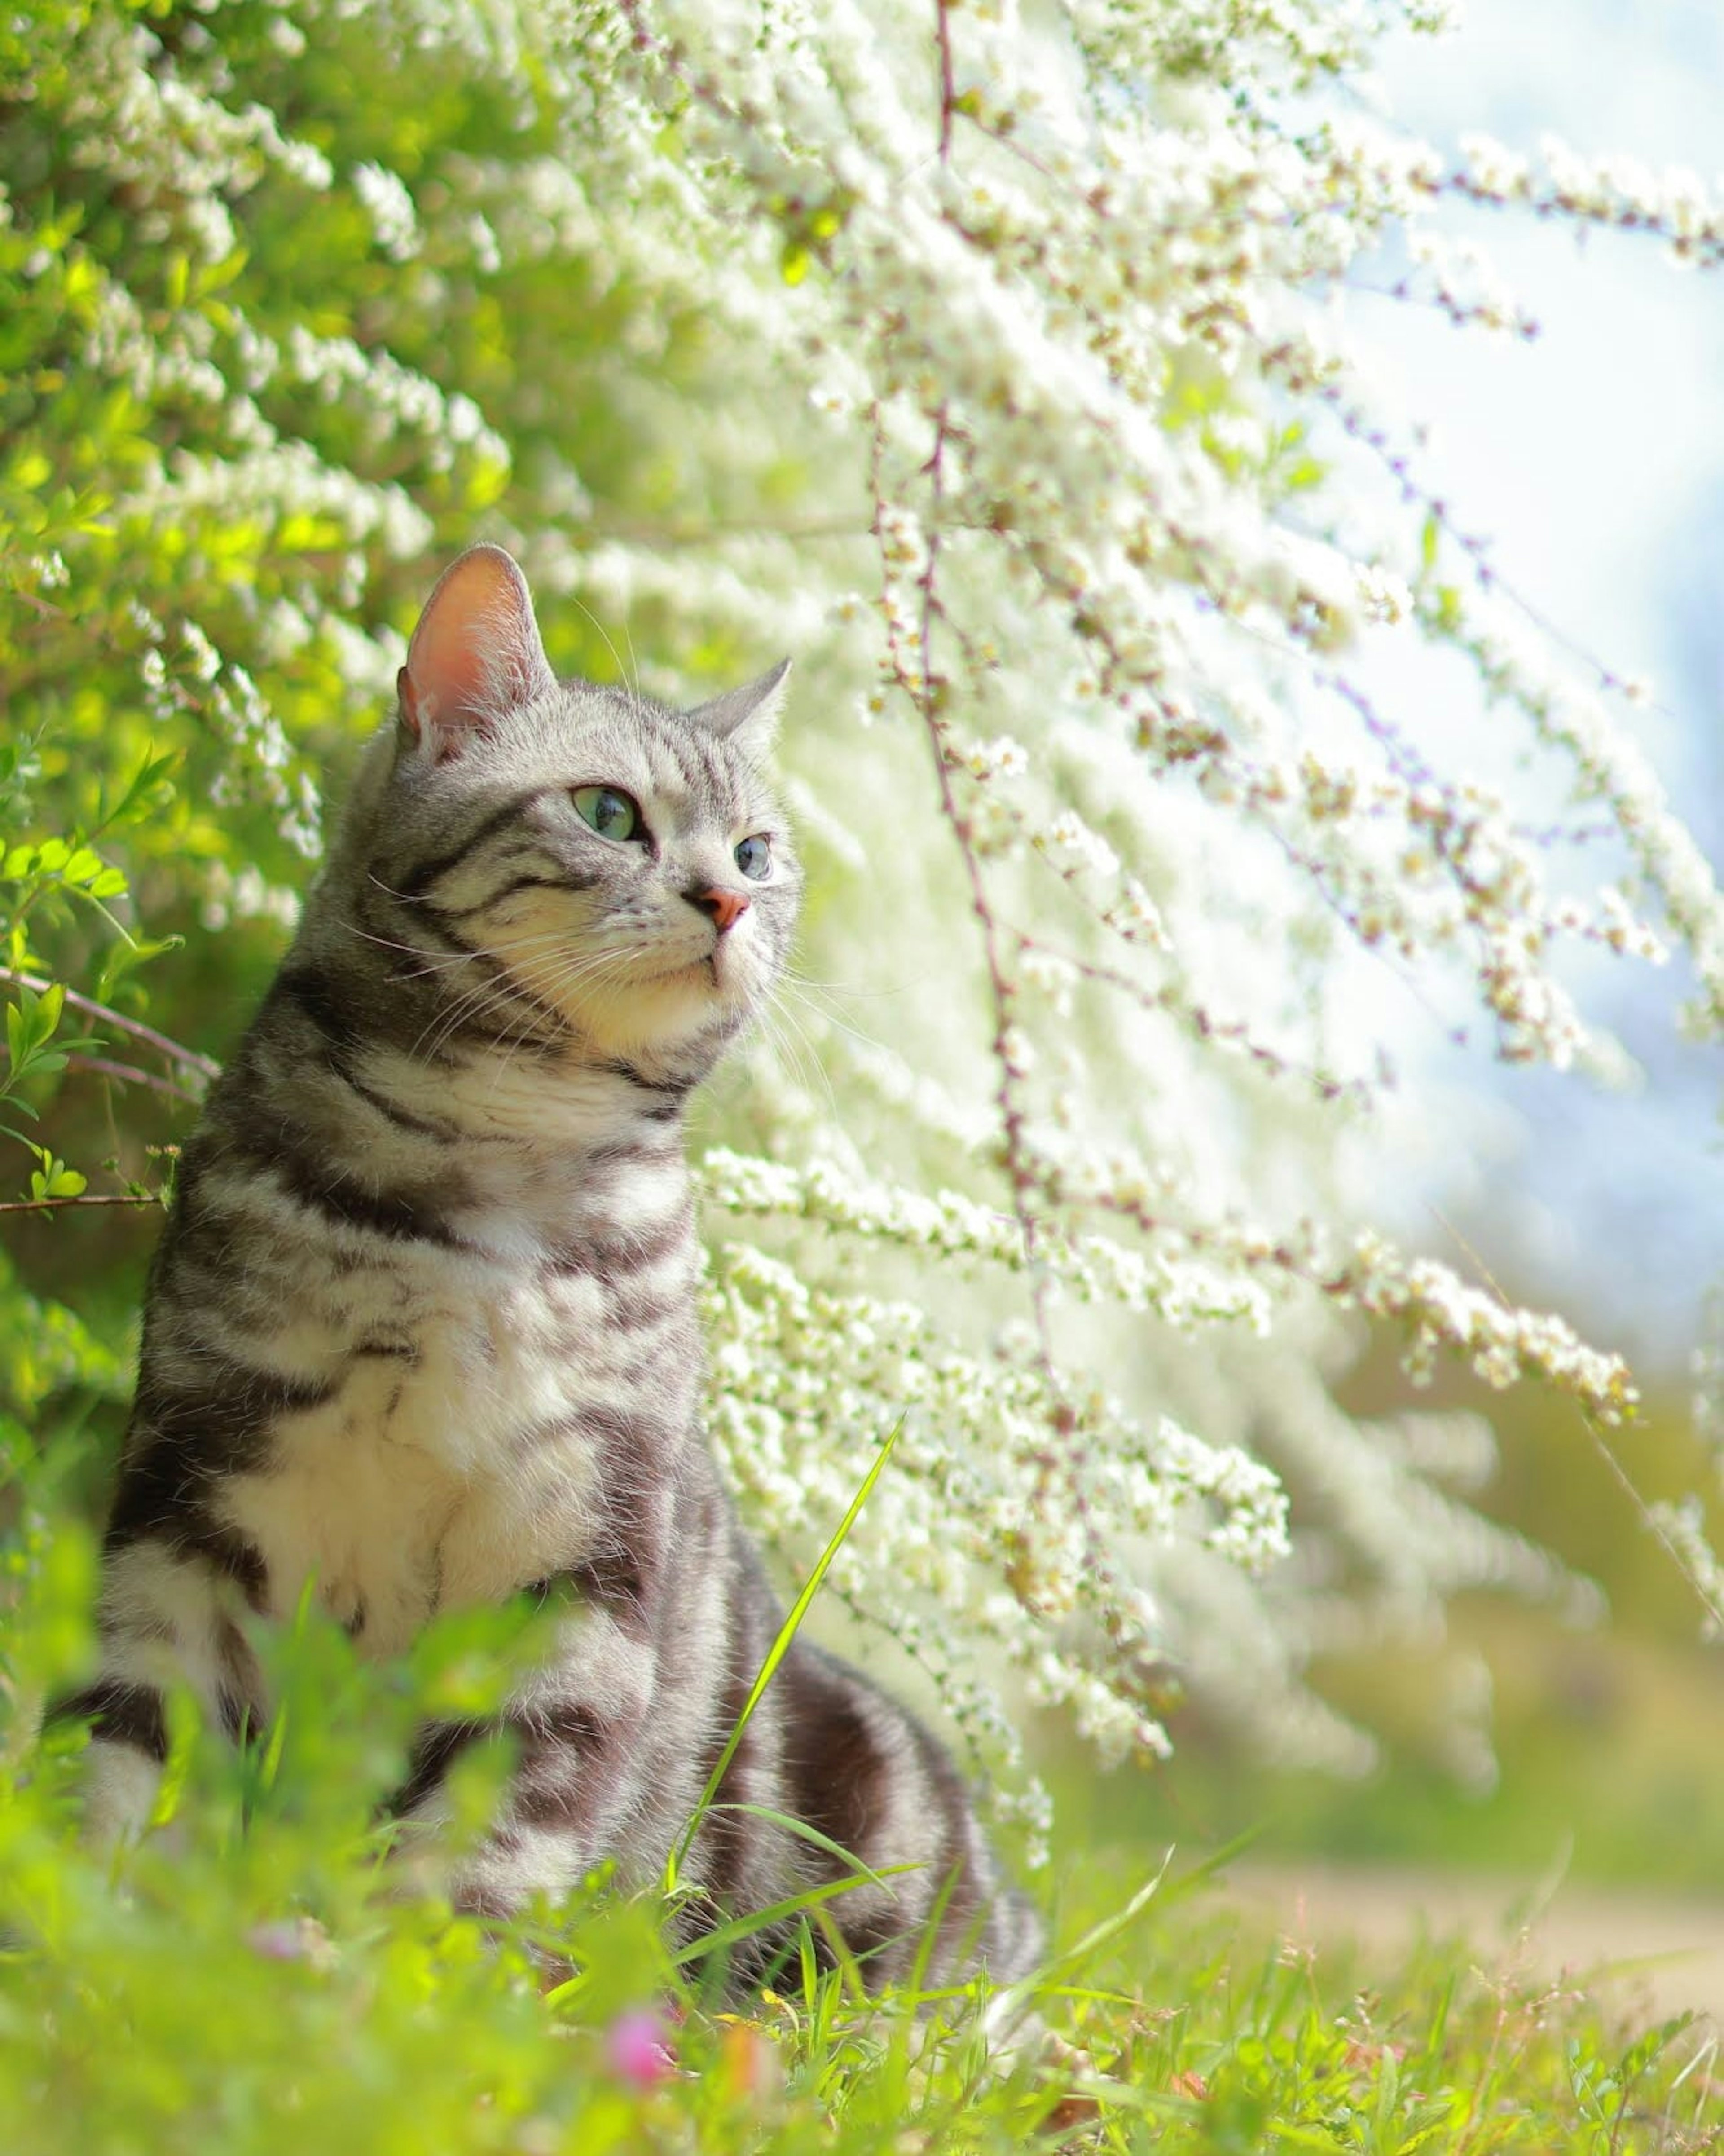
(421, 1327)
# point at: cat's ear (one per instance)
(475, 655)
(748, 716)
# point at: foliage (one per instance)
(999, 366)
(249, 1980)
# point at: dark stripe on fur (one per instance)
(568, 1753)
(400, 1216)
(458, 1023)
(226, 1407)
(426, 873)
(184, 1442)
(569, 881)
(613, 1581)
(163, 1496)
(393, 1350)
(121, 1713)
(673, 1092)
(403, 1119)
(320, 999)
(436, 1748)
(608, 1256)
(836, 1769)
(237, 1722)
(330, 1005)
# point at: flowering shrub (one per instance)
(998, 367)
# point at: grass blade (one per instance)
(776, 1653)
(759, 1920)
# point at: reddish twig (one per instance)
(188, 1058)
(128, 1074)
(87, 1198)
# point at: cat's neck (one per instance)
(567, 1107)
(502, 1146)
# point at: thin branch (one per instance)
(176, 1052)
(128, 1074)
(87, 1198)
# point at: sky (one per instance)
(1594, 458)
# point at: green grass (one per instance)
(253, 1981)
(261, 1993)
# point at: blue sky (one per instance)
(1595, 460)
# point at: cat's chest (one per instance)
(456, 1456)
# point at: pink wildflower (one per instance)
(639, 2049)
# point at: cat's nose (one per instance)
(727, 907)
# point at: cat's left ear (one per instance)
(475, 656)
(748, 716)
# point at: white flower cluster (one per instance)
(1075, 317)
(246, 459)
(150, 126)
(805, 1382)
(1458, 278)
(1676, 204)
(262, 763)
(390, 207)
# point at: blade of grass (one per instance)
(775, 1654)
(1013, 1997)
(804, 1832)
(759, 1920)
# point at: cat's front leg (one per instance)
(578, 1727)
(165, 1618)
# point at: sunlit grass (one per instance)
(262, 1996)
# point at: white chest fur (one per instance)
(449, 1471)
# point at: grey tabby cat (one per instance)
(421, 1327)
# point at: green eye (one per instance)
(754, 857)
(612, 814)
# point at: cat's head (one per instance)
(626, 863)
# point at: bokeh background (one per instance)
(1593, 457)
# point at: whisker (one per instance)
(632, 687)
(827, 1015)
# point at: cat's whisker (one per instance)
(794, 973)
(631, 675)
(797, 990)
(496, 989)
(473, 1005)
(431, 966)
(785, 1016)
(792, 1046)
(547, 981)
(548, 984)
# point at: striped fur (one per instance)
(421, 1329)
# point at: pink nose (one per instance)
(727, 907)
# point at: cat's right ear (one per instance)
(475, 656)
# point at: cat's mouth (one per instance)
(717, 968)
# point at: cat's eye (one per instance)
(612, 814)
(754, 857)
